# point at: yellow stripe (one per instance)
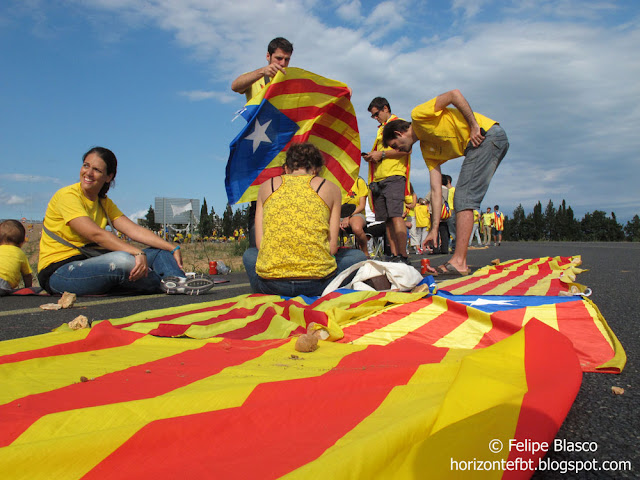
(405, 325)
(39, 375)
(27, 344)
(93, 433)
(469, 333)
(447, 411)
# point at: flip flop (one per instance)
(450, 270)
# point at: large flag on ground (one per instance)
(294, 108)
(414, 386)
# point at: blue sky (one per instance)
(151, 81)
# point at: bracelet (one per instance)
(141, 253)
(174, 250)
(384, 155)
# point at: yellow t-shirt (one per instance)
(389, 166)
(487, 219)
(423, 216)
(452, 191)
(443, 135)
(476, 216)
(254, 89)
(13, 264)
(295, 240)
(359, 189)
(65, 205)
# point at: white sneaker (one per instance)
(186, 286)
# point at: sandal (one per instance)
(448, 269)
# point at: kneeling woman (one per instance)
(77, 215)
(297, 230)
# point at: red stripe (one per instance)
(544, 270)
(553, 380)
(489, 286)
(139, 382)
(428, 334)
(576, 323)
(173, 316)
(280, 427)
(504, 324)
(101, 336)
(303, 85)
(299, 114)
(381, 320)
(266, 174)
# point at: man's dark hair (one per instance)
(379, 103)
(12, 233)
(496, 207)
(390, 129)
(280, 43)
(446, 179)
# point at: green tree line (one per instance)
(209, 220)
(560, 224)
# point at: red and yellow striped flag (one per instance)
(414, 386)
(294, 108)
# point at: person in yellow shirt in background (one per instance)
(389, 182)
(452, 219)
(352, 213)
(498, 225)
(410, 216)
(476, 228)
(487, 223)
(14, 264)
(423, 223)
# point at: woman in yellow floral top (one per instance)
(297, 230)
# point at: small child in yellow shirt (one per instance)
(423, 222)
(13, 261)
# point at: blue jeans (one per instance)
(292, 288)
(108, 272)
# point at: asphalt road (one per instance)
(610, 423)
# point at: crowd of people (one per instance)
(296, 223)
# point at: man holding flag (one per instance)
(296, 107)
(279, 53)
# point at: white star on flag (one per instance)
(259, 134)
(478, 302)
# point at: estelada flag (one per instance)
(295, 107)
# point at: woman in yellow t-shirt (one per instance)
(297, 229)
(77, 217)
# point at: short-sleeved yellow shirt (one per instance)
(65, 205)
(423, 216)
(13, 264)
(359, 189)
(444, 134)
(255, 88)
(389, 166)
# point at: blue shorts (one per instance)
(478, 167)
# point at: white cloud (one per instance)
(561, 88)
(136, 215)
(349, 11)
(199, 95)
(25, 177)
(11, 199)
